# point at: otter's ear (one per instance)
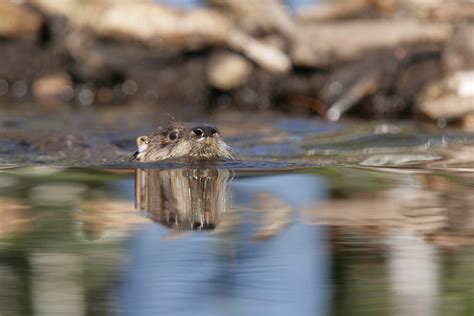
(142, 143)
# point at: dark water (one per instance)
(208, 240)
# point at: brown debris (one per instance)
(164, 27)
(468, 122)
(53, 88)
(18, 21)
(450, 97)
(328, 44)
(227, 71)
(447, 10)
(372, 58)
(458, 53)
(155, 25)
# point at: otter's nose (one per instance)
(205, 131)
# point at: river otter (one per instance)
(183, 140)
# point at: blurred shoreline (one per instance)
(368, 58)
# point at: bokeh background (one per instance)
(368, 58)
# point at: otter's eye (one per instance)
(173, 135)
(199, 132)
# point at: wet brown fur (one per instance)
(160, 145)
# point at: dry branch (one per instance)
(328, 44)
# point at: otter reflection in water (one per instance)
(182, 198)
(183, 140)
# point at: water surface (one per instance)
(232, 239)
(315, 218)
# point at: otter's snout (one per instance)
(204, 131)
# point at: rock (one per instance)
(459, 51)
(53, 88)
(227, 71)
(468, 123)
(449, 98)
(448, 106)
(18, 21)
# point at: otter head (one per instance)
(183, 140)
